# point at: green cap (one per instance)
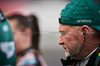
(7, 44)
(81, 12)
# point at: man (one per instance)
(79, 26)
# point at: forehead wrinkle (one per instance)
(63, 28)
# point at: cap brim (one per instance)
(97, 27)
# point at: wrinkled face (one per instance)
(19, 36)
(69, 40)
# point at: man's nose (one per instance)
(60, 41)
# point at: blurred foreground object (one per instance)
(7, 45)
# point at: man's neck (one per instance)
(84, 54)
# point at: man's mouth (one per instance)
(63, 46)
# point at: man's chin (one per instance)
(67, 54)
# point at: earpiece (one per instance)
(84, 33)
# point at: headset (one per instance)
(84, 33)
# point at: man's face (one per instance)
(69, 40)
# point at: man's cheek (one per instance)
(68, 38)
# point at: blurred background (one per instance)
(48, 12)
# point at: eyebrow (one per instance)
(61, 31)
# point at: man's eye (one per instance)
(63, 33)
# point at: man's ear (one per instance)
(28, 33)
(85, 31)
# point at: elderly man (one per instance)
(79, 26)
